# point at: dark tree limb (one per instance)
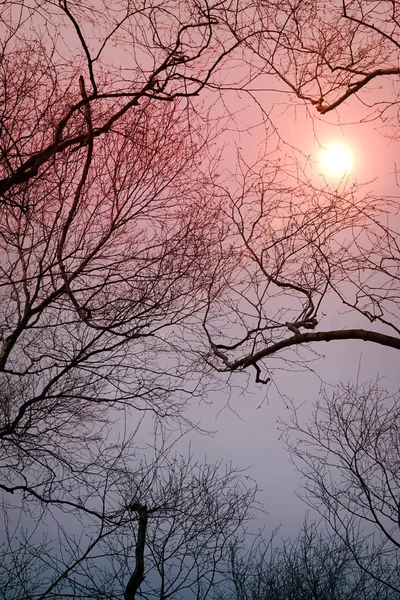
(137, 576)
(253, 358)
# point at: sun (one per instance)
(335, 160)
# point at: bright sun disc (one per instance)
(336, 160)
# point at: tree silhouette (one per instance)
(129, 265)
(326, 55)
(316, 564)
(308, 247)
(348, 455)
(304, 252)
(163, 524)
(111, 238)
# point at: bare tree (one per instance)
(327, 55)
(111, 243)
(204, 506)
(81, 67)
(161, 525)
(308, 248)
(110, 233)
(348, 454)
(71, 111)
(120, 246)
(303, 252)
(316, 565)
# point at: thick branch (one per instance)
(137, 576)
(354, 88)
(307, 338)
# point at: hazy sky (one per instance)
(247, 429)
(242, 416)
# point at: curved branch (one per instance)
(137, 576)
(354, 88)
(308, 338)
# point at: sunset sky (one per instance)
(198, 202)
(247, 428)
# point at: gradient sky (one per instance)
(247, 430)
(244, 416)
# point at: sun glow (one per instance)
(335, 160)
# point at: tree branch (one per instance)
(137, 576)
(307, 338)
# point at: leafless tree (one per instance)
(120, 246)
(327, 55)
(112, 239)
(316, 565)
(195, 510)
(348, 454)
(303, 253)
(81, 67)
(308, 248)
(109, 230)
(161, 528)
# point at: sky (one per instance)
(247, 429)
(243, 417)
